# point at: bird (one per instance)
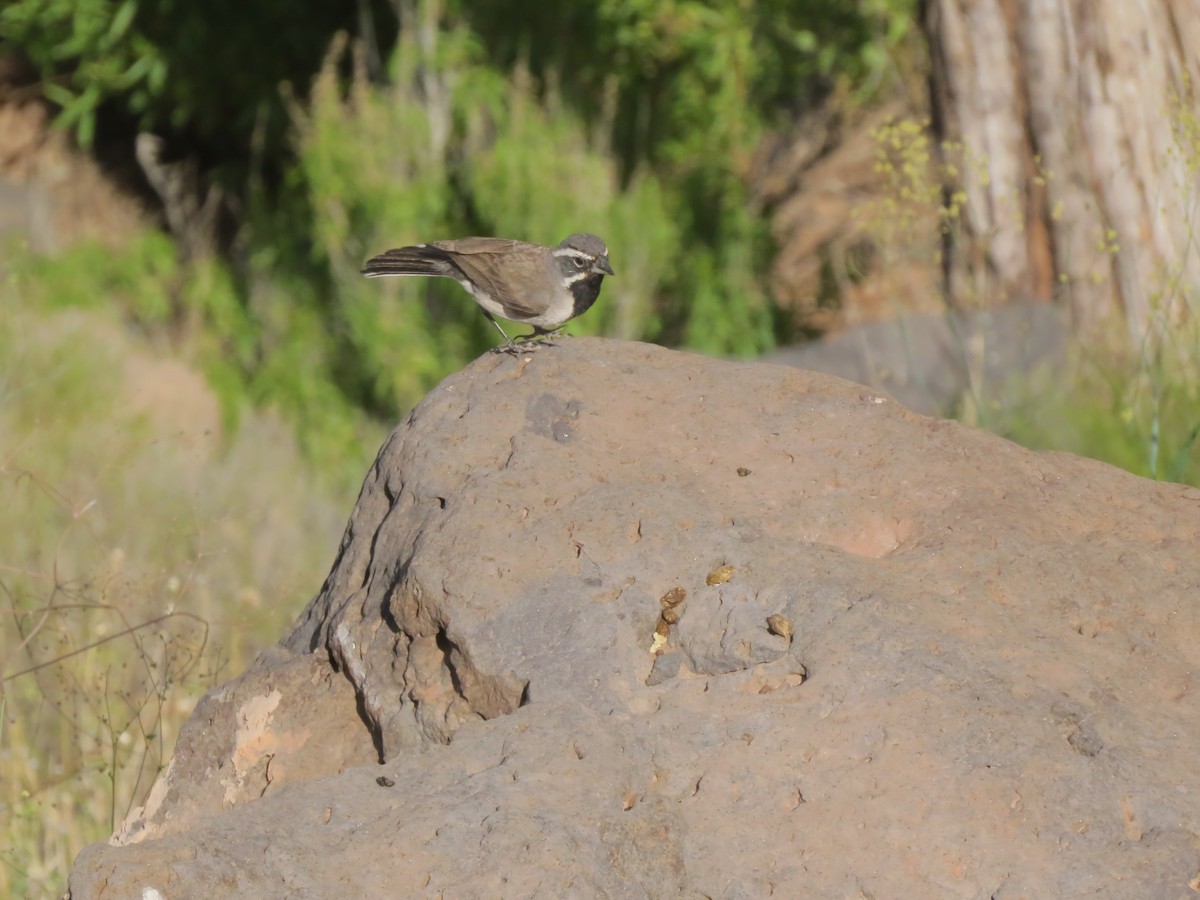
(530, 284)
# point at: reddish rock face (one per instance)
(624, 621)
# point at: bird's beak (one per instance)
(601, 267)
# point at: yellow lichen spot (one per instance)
(780, 626)
(673, 597)
(719, 575)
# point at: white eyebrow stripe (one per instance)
(571, 251)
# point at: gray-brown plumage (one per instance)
(540, 286)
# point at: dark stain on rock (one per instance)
(553, 417)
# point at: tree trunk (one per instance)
(1071, 109)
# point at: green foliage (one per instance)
(635, 120)
(675, 76)
(462, 151)
(211, 70)
(136, 279)
(686, 88)
(270, 352)
(1140, 415)
(96, 44)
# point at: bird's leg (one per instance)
(520, 345)
(507, 340)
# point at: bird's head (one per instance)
(583, 256)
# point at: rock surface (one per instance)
(625, 622)
(936, 363)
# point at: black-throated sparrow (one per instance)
(540, 286)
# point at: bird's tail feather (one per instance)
(407, 261)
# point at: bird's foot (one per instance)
(535, 340)
(518, 346)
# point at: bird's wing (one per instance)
(493, 264)
(485, 245)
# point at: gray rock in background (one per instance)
(931, 362)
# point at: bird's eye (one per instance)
(581, 263)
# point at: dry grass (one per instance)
(143, 558)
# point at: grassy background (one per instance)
(144, 558)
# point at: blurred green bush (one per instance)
(339, 130)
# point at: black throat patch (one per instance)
(585, 291)
(583, 284)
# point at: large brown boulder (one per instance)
(621, 621)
